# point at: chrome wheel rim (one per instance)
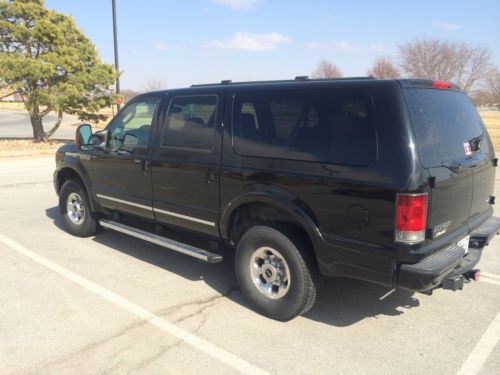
(75, 208)
(270, 272)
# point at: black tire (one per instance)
(88, 225)
(302, 269)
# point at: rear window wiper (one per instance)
(462, 164)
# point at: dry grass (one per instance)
(26, 147)
(492, 121)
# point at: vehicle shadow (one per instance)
(341, 302)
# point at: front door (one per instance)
(121, 171)
(186, 161)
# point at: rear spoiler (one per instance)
(429, 83)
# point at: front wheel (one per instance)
(276, 272)
(75, 209)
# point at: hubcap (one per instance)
(270, 272)
(75, 208)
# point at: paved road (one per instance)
(114, 304)
(15, 124)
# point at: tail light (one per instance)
(441, 84)
(411, 218)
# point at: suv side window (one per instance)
(132, 125)
(327, 125)
(190, 122)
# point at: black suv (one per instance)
(389, 181)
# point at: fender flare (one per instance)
(71, 163)
(298, 213)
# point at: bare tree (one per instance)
(493, 87)
(326, 69)
(155, 84)
(129, 94)
(384, 68)
(459, 62)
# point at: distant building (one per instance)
(11, 98)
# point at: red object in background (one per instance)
(120, 101)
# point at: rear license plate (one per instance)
(464, 244)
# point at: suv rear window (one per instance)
(327, 125)
(445, 121)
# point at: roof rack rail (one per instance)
(298, 78)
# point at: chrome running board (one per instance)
(183, 248)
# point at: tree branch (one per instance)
(56, 125)
(46, 111)
(12, 93)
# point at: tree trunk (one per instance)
(36, 123)
(56, 125)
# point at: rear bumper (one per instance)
(448, 262)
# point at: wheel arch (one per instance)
(71, 172)
(295, 215)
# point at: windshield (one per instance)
(447, 125)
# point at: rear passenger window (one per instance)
(191, 122)
(331, 126)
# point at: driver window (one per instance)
(131, 126)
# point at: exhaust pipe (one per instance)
(473, 275)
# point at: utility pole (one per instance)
(115, 36)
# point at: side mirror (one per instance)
(84, 137)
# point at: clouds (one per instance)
(250, 42)
(345, 46)
(265, 42)
(238, 4)
(162, 46)
(448, 26)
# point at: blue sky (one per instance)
(200, 41)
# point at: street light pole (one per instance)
(115, 37)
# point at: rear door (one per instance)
(186, 161)
(454, 146)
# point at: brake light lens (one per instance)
(411, 218)
(441, 84)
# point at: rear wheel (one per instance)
(276, 272)
(75, 209)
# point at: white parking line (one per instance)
(490, 275)
(483, 349)
(489, 281)
(490, 278)
(170, 328)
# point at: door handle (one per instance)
(211, 176)
(145, 164)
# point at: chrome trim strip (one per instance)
(170, 213)
(124, 202)
(157, 210)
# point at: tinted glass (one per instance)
(329, 125)
(132, 124)
(190, 122)
(444, 120)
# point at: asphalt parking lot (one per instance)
(114, 304)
